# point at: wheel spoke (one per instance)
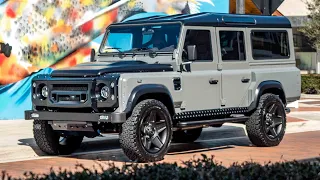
(143, 128)
(160, 127)
(268, 129)
(152, 116)
(273, 132)
(277, 120)
(148, 146)
(157, 141)
(273, 108)
(146, 143)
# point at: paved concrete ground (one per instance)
(18, 152)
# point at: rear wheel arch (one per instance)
(273, 87)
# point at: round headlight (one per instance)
(44, 91)
(105, 91)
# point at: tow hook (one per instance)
(287, 110)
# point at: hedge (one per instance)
(203, 168)
(310, 84)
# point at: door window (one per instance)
(232, 45)
(202, 40)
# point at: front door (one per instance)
(234, 66)
(201, 82)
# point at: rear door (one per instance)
(234, 66)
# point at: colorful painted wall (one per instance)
(50, 34)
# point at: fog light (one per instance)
(105, 91)
(44, 91)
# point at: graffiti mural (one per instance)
(51, 34)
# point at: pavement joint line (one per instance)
(307, 100)
(28, 159)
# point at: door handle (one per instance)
(213, 81)
(245, 80)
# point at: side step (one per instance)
(203, 123)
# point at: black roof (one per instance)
(217, 20)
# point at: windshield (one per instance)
(139, 38)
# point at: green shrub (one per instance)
(310, 82)
(205, 168)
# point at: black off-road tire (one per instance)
(48, 140)
(129, 137)
(256, 124)
(186, 136)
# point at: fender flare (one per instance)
(262, 87)
(143, 89)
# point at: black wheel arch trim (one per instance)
(144, 89)
(262, 87)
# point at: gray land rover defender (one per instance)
(163, 79)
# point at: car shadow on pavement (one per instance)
(32, 144)
(108, 148)
(212, 139)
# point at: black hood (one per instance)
(93, 69)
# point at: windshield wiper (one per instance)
(139, 49)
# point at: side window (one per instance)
(270, 45)
(232, 45)
(202, 40)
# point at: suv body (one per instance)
(210, 69)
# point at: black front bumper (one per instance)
(70, 116)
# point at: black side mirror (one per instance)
(93, 54)
(192, 52)
(5, 49)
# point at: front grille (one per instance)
(70, 87)
(69, 98)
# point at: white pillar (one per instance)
(240, 7)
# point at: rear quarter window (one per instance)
(270, 45)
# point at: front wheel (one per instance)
(267, 125)
(51, 142)
(146, 135)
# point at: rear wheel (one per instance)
(186, 136)
(146, 135)
(267, 125)
(51, 142)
